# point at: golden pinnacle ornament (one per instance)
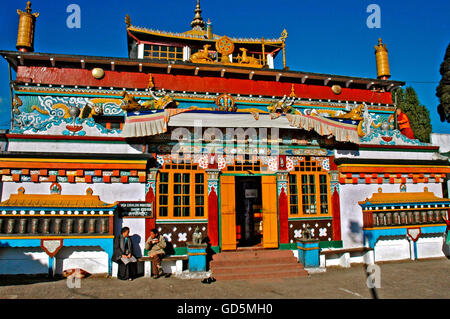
(381, 55)
(25, 36)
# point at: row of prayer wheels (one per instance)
(54, 225)
(409, 217)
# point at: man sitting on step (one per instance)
(155, 245)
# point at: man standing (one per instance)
(155, 245)
(403, 123)
(123, 255)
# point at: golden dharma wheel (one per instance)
(98, 73)
(337, 89)
(225, 46)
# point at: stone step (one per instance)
(248, 254)
(253, 262)
(266, 268)
(262, 275)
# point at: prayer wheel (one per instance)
(403, 218)
(104, 225)
(57, 225)
(381, 219)
(388, 218)
(10, 226)
(417, 219)
(80, 226)
(430, 216)
(396, 219)
(381, 55)
(91, 228)
(34, 225)
(25, 35)
(1, 225)
(46, 226)
(424, 217)
(69, 226)
(22, 226)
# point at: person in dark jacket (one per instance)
(123, 255)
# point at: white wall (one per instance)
(351, 212)
(94, 260)
(441, 140)
(392, 249)
(430, 247)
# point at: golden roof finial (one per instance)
(198, 23)
(381, 54)
(25, 36)
(28, 8)
(128, 20)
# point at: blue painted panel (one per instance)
(373, 235)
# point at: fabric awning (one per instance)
(149, 123)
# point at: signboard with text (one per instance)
(136, 209)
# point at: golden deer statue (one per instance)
(202, 56)
(245, 59)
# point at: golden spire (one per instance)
(381, 55)
(25, 36)
(198, 23)
(127, 20)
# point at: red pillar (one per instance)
(283, 217)
(336, 205)
(150, 223)
(213, 217)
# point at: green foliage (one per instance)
(418, 115)
(443, 89)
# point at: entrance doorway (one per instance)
(236, 210)
(249, 217)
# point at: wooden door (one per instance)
(227, 213)
(270, 211)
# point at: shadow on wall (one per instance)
(355, 232)
(15, 262)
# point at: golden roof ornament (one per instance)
(25, 36)
(381, 55)
(128, 20)
(198, 23)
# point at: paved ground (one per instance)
(406, 279)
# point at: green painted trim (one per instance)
(180, 251)
(292, 246)
(331, 244)
(216, 249)
(309, 218)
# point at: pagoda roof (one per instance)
(56, 200)
(426, 196)
(200, 35)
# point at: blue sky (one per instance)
(324, 36)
